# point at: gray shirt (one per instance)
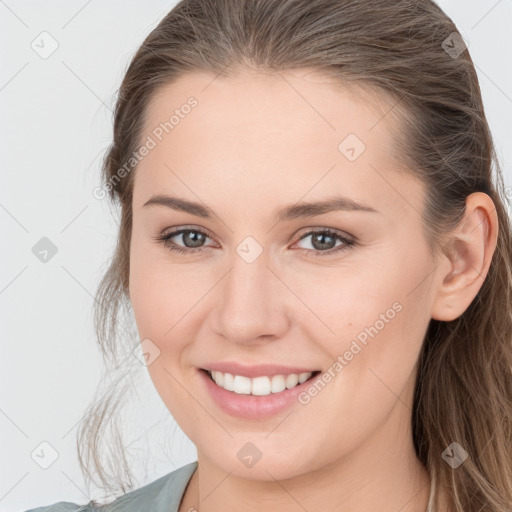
(162, 495)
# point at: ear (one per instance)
(466, 258)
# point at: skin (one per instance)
(255, 143)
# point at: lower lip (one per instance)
(253, 406)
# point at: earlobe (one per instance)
(466, 258)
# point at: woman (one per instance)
(315, 246)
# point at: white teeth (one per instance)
(226, 382)
(292, 380)
(303, 377)
(218, 377)
(242, 385)
(278, 383)
(259, 385)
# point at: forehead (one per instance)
(254, 133)
(294, 105)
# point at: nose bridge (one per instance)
(250, 303)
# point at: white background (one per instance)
(56, 125)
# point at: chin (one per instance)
(255, 457)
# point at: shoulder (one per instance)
(62, 506)
(161, 495)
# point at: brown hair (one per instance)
(400, 48)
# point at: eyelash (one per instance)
(347, 242)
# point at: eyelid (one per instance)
(180, 229)
(313, 229)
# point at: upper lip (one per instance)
(257, 370)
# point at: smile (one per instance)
(257, 397)
(260, 386)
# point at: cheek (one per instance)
(379, 323)
(371, 317)
(162, 300)
(161, 293)
(168, 302)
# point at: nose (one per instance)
(252, 303)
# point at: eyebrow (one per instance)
(296, 211)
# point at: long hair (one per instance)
(410, 51)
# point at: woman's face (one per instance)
(263, 291)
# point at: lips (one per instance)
(243, 402)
